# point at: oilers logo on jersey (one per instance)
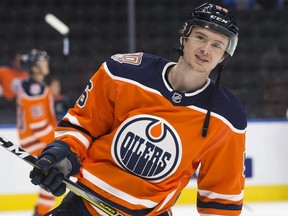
(147, 146)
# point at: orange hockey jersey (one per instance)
(36, 119)
(10, 81)
(140, 141)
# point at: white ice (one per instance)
(249, 209)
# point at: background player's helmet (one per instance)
(31, 58)
(215, 18)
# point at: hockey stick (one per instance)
(78, 190)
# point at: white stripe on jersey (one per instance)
(212, 195)
(34, 147)
(130, 81)
(120, 194)
(44, 132)
(37, 125)
(75, 134)
(167, 199)
(72, 119)
(221, 118)
(27, 140)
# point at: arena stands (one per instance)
(99, 29)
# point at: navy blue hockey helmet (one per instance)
(215, 18)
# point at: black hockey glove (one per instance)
(55, 162)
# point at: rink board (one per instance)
(267, 178)
(10, 202)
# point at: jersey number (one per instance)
(83, 98)
(129, 58)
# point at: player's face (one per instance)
(204, 49)
(43, 65)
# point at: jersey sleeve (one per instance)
(10, 81)
(221, 178)
(91, 116)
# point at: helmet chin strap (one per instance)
(210, 103)
(220, 68)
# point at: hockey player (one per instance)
(36, 119)
(60, 100)
(11, 77)
(144, 125)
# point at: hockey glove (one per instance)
(55, 162)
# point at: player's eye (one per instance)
(200, 38)
(217, 45)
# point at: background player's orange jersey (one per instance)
(35, 116)
(140, 141)
(10, 81)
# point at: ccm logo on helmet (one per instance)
(219, 19)
(147, 146)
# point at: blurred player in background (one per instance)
(35, 115)
(11, 77)
(60, 100)
(144, 125)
